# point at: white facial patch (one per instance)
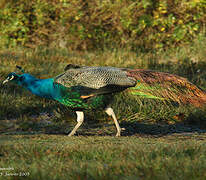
(8, 79)
(12, 77)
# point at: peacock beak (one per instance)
(5, 81)
(8, 79)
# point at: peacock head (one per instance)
(15, 77)
(12, 77)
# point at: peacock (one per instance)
(93, 88)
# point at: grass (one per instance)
(161, 141)
(83, 157)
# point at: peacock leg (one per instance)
(110, 112)
(80, 119)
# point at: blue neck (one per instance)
(40, 87)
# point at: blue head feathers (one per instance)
(40, 87)
(20, 68)
(15, 77)
(20, 79)
(12, 77)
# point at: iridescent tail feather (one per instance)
(165, 86)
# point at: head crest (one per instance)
(20, 68)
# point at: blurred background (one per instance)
(90, 25)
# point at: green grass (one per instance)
(160, 141)
(61, 157)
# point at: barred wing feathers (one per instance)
(96, 80)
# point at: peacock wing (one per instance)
(96, 80)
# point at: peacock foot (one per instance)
(70, 134)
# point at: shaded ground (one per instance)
(43, 123)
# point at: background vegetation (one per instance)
(88, 25)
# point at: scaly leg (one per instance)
(110, 112)
(80, 119)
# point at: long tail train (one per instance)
(160, 85)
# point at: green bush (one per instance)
(86, 24)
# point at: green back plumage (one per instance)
(72, 97)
